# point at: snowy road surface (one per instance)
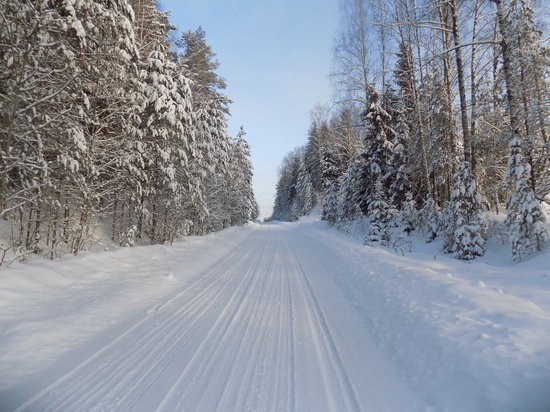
(260, 330)
(273, 317)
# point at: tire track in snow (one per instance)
(230, 397)
(291, 344)
(168, 350)
(217, 305)
(245, 330)
(228, 341)
(159, 356)
(281, 345)
(198, 320)
(324, 343)
(211, 344)
(57, 386)
(256, 396)
(126, 361)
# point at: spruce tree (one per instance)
(376, 155)
(464, 223)
(380, 215)
(241, 200)
(429, 218)
(398, 173)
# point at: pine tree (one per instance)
(33, 88)
(212, 166)
(67, 112)
(349, 190)
(330, 204)
(341, 205)
(217, 143)
(111, 53)
(442, 154)
(316, 148)
(330, 167)
(306, 196)
(402, 223)
(442, 142)
(199, 64)
(534, 60)
(98, 125)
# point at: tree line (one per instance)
(440, 114)
(105, 123)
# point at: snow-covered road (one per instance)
(257, 331)
(272, 317)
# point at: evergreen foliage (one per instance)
(464, 225)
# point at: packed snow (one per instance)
(276, 317)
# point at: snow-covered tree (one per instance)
(464, 223)
(524, 215)
(441, 144)
(466, 84)
(286, 194)
(398, 172)
(242, 203)
(429, 219)
(402, 224)
(380, 215)
(166, 144)
(67, 111)
(524, 219)
(199, 65)
(305, 193)
(99, 125)
(376, 155)
(217, 144)
(212, 165)
(340, 205)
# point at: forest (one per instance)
(112, 123)
(439, 125)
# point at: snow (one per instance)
(276, 317)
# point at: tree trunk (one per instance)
(450, 134)
(473, 87)
(461, 84)
(115, 226)
(508, 76)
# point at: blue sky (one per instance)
(276, 56)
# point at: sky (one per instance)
(276, 57)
